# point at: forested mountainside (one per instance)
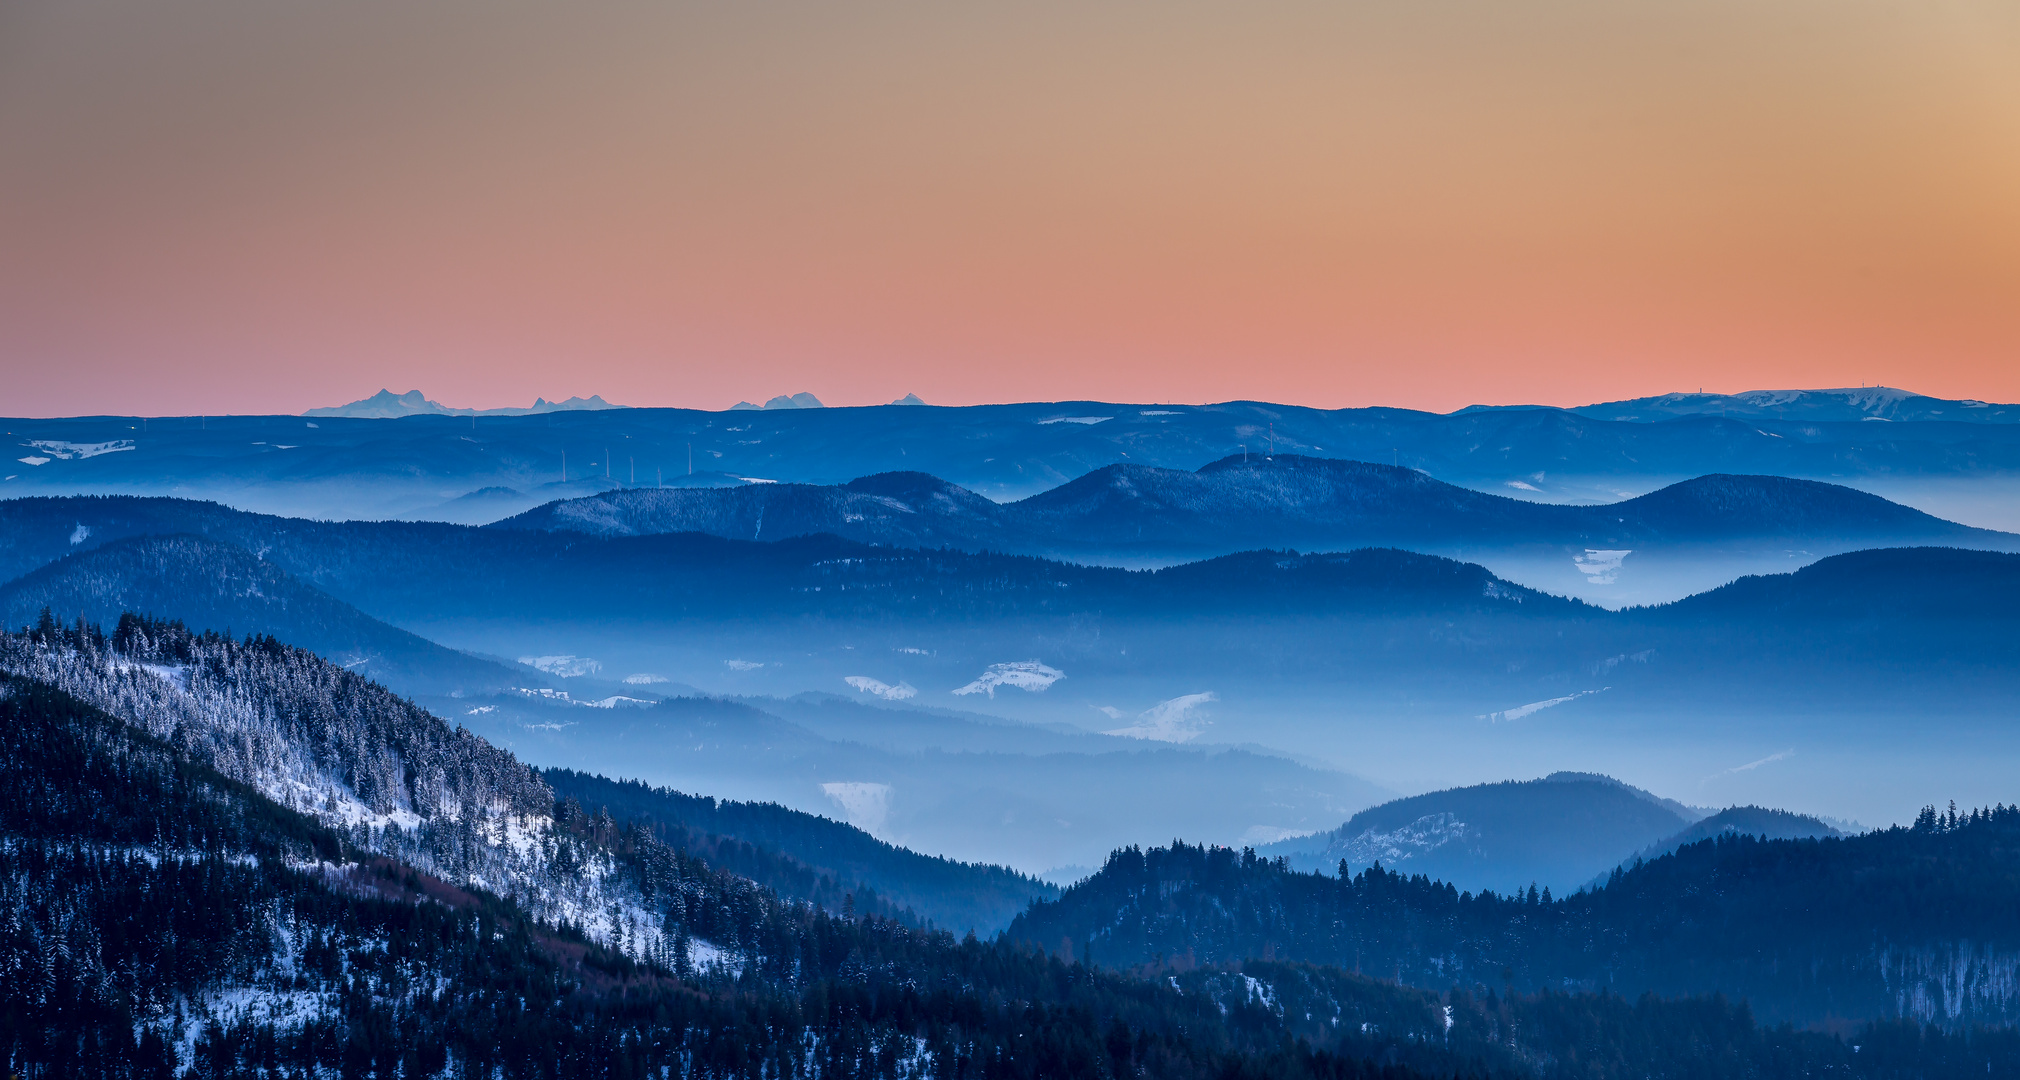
(804, 856)
(1560, 830)
(1272, 502)
(158, 918)
(207, 583)
(1964, 588)
(1919, 922)
(390, 776)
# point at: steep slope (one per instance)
(1921, 922)
(205, 583)
(162, 919)
(313, 736)
(1557, 832)
(738, 835)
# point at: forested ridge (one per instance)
(1920, 922)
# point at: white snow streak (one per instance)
(1028, 675)
(882, 689)
(1172, 721)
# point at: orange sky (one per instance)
(237, 205)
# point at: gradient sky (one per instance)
(251, 206)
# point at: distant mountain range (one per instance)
(1833, 406)
(386, 405)
(1290, 501)
(1901, 602)
(1372, 662)
(417, 464)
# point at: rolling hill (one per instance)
(1558, 832)
(414, 465)
(1236, 503)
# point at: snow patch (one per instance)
(644, 680)
(1075, 420)
(1600, 567)
(709, 958)
(866, 805)
(1259, 992)
(564, 667)
(70, 451)
(1419, 837)
(882, 689)
(1172, 721)
(33, 460)
(1029, 675)
(176, 675)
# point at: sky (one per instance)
(249, 206)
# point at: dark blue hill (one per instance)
(205, 583)
(1242, 502)
(1558, 831)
